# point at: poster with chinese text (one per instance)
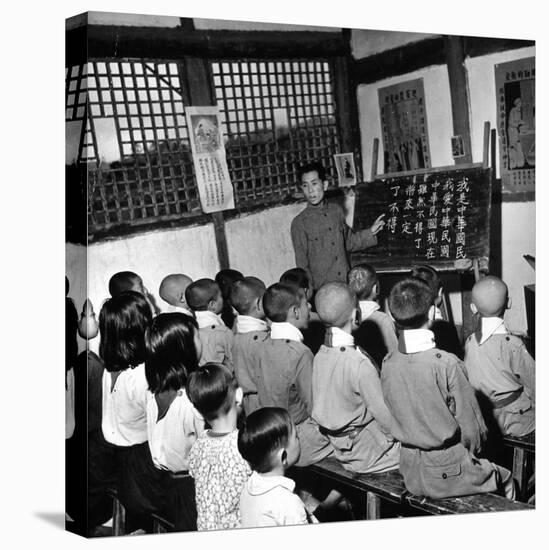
(210, 163)
(516, 101)
(404, 127)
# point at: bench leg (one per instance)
(372, 506)
(519, 471)
(118, 518)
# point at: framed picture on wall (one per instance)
(346, 172)
(404, 127)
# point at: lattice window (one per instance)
(136, 142)
(275, 115)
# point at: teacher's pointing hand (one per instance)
(378, 225)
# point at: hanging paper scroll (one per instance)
(210, 163)
(404, 127)
(516, 100)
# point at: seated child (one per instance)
(218, 469)
(251, 329)
(173, 425)
(123, 320)
(436, 415)
(172, 291)
(446, 337)
(225, 279)
(268, 441)
(128, 280)
(348, 402)
(497, 363)
(313, 335)
(205, 299)
(285, 365)
(376, 333)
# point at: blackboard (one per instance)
(436, 217)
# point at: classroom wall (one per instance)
(518, 218)
(439, 115)
(258, 244)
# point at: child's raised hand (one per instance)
(378, 225)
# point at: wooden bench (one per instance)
(390, 486)
(523, 450)
(385, 486)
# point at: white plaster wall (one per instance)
(260, 244)
(482, 93)
(518, 236)
(369, 42)
(518, 218)
(439, 115)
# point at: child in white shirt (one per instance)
(268, 441)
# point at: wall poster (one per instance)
(516, 101)
(404, 127)
(210, 163)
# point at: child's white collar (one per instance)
(207, 319)
(367, 307)
(178, 309)
(416, 340)
(340, 338)
(245, 323)
(286, 331)
(491, 325)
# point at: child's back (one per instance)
(250, 329)
(376, 333)
(347, 399)
(205, 299)
(284, 368)
(436, 416)
(501, 369)
(498, 365)
(219, 473)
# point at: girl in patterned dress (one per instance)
(218, 469)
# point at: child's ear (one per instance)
(325, 185)
(284, 457)
(509, 303)
(473, 308)
(239, 396)
(296, 312)
(182, 299)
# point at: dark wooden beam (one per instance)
(475, 46)
(457, 76)
(172, 43)
(402, 60)
(76, 46)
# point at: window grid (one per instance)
(153, 177)
(260, 157)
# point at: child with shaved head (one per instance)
(376, 332)
(436, 416)
(348, 402)
(172, 291)
(284, 367)
(498, 364)
(204, 298)
(246, 296)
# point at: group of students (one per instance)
(199, 411)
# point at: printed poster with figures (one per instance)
(210, 163)
(404, 127)
(516, 101)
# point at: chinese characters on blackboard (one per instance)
(431, 216)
